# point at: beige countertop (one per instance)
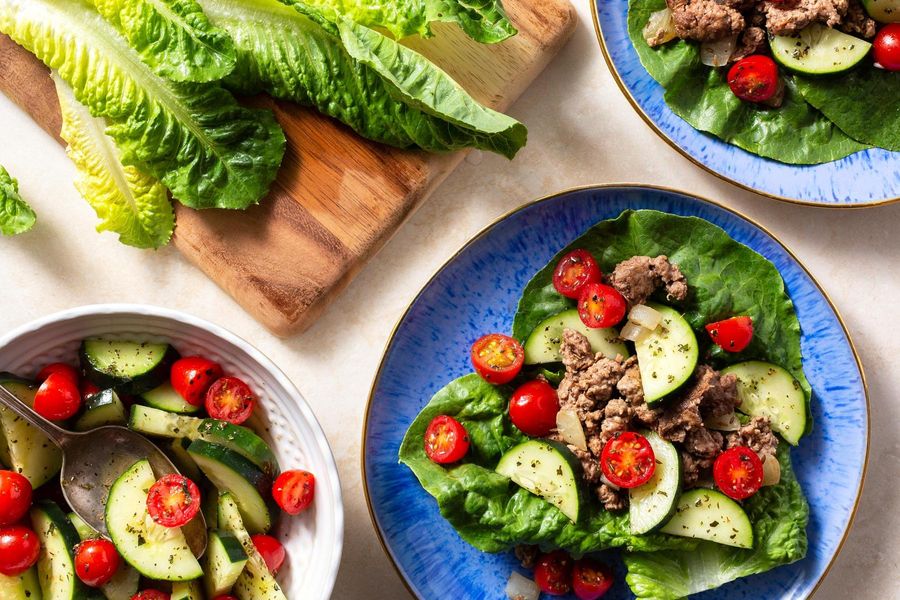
(582, 131)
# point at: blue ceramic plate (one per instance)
(862, 179)
(477, 291)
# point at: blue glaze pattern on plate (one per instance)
(476, 293)
(864, 178)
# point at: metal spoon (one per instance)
(93, 460)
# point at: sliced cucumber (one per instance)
(102, 408)
(152, 421)
(155, 551)
(21, 587)
(128, 367)
(30, 452)
(542, 346)
(652, 504)
(56, 563)
(164, 397)
(546, 469)
(177, 451)
(124, 584)
(710, 515)
(819, 50)
(5, 459)
(883, 11)
(186, 590)
(210, 506)
(255, 582)
(231, 472)
(767, 390)
(667, 356)
(225, 561)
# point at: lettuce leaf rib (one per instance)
(195, 138)
(15, 215)
(128, 201)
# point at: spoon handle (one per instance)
(10, 401)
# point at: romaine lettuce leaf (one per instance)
(384, 91)
(206, 148)
(15, 215)
(483, 20)
(487, 509)
(779, 515)
(173, 37)
(795, 133)
(128, 201)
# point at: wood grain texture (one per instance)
(338, 198)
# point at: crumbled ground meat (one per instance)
(752, 41)
(705, 20)
(785, 18)
(704, 443)
(756, 435)
(638, 277)
(617, 418)
(587, 389)
(527, 555)
(858, 22)
(633, 391)
(575, 350)
(693, 468)
(612, 499)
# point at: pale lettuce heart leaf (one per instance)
(483, 20)
(15, 215)
(129, 202)
(195, 138)
(357, 76)
(173, 37)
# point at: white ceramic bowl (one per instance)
(314, 539)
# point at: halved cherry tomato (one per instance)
(226, 597)
(58, 397)
(575, 270)
(191, 376)
(19, 549)
(87, 389)
(591, 579)
(628, 460)
(738, 472)
(497, 358)
(601, 305)
(553, 573)
(887, 47)
(533, 408)
(151, 595)
(271, 550)
(732, 335)
(446, 440)
(59, 367)
(754, 79)
(294, 491)
(96, 561)
(15, 497)
(230, 399)
(173, 500)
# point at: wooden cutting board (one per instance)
(338, 198)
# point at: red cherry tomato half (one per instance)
(887, 47)
(15, 497)
(226, 597)
(173, 500)
(754, 79)
(553, 573)
(96, 561)
(590, 579)
(230, 399)
(601, 305)
(151, 595)
(533, 408)
(19, 549)
(497, 358)
(294, 491)
(59, 367)
(575, 270)
(628, 460)
(58, 398)
(191, 377)
(88, 389)
(446, 440)
(738, 472)
(271, 550)
(732, 335)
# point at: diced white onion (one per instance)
(718, 53)
(603, 479)
(570, 430)
(660, 28)
(520, 587)
(771, 470)
(633, 332)
(727, 422)
(645, 316)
